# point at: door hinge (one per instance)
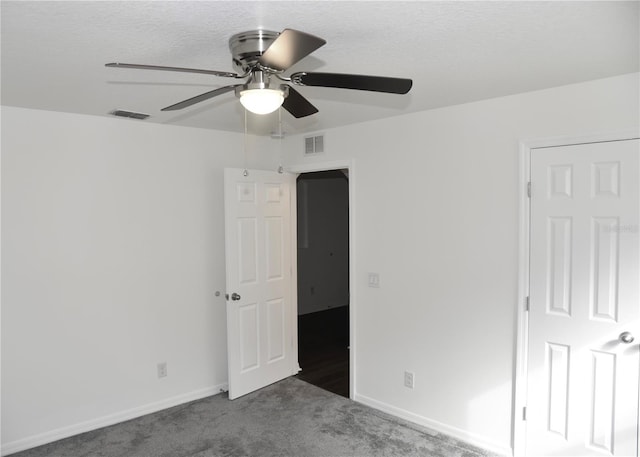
(524, 413)
(529, 189)
(526, 303)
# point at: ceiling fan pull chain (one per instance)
(245, 173)
(280, 138)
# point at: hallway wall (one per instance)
(323, 243)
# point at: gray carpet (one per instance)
(289, 418)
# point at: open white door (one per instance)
(260, 313)
(583, 364)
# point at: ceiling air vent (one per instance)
(130, 114)
(313, 144)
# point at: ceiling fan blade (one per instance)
(358, 82)
(200, 98)
(297, 105)
(185, 70)
(290, 47)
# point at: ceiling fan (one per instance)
(261, 57)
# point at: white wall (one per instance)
(436, 215)
(323, 244)
(112, 251)
(113, 248)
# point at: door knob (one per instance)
(236, 297)
(626, 337)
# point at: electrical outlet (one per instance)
(409, 379)
(162, 370)
(374, 280)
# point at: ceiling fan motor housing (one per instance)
(247, 47)
(261, 80)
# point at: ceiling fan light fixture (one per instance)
(262, 101)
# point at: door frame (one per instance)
(329, 166)
(518, 430)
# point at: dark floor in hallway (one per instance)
(323, 349)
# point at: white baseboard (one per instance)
(111, 419)
(462, 435)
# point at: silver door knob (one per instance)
(626, 337)
(235, 297)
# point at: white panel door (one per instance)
(260, 344)
(582, 395)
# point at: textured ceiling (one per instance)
(53, 53)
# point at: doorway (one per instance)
(323, 279)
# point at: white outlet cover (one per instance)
(409, 379)
(374, 280)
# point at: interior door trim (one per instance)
(518, 428)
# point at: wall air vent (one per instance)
(130, 114)
(313, 144)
